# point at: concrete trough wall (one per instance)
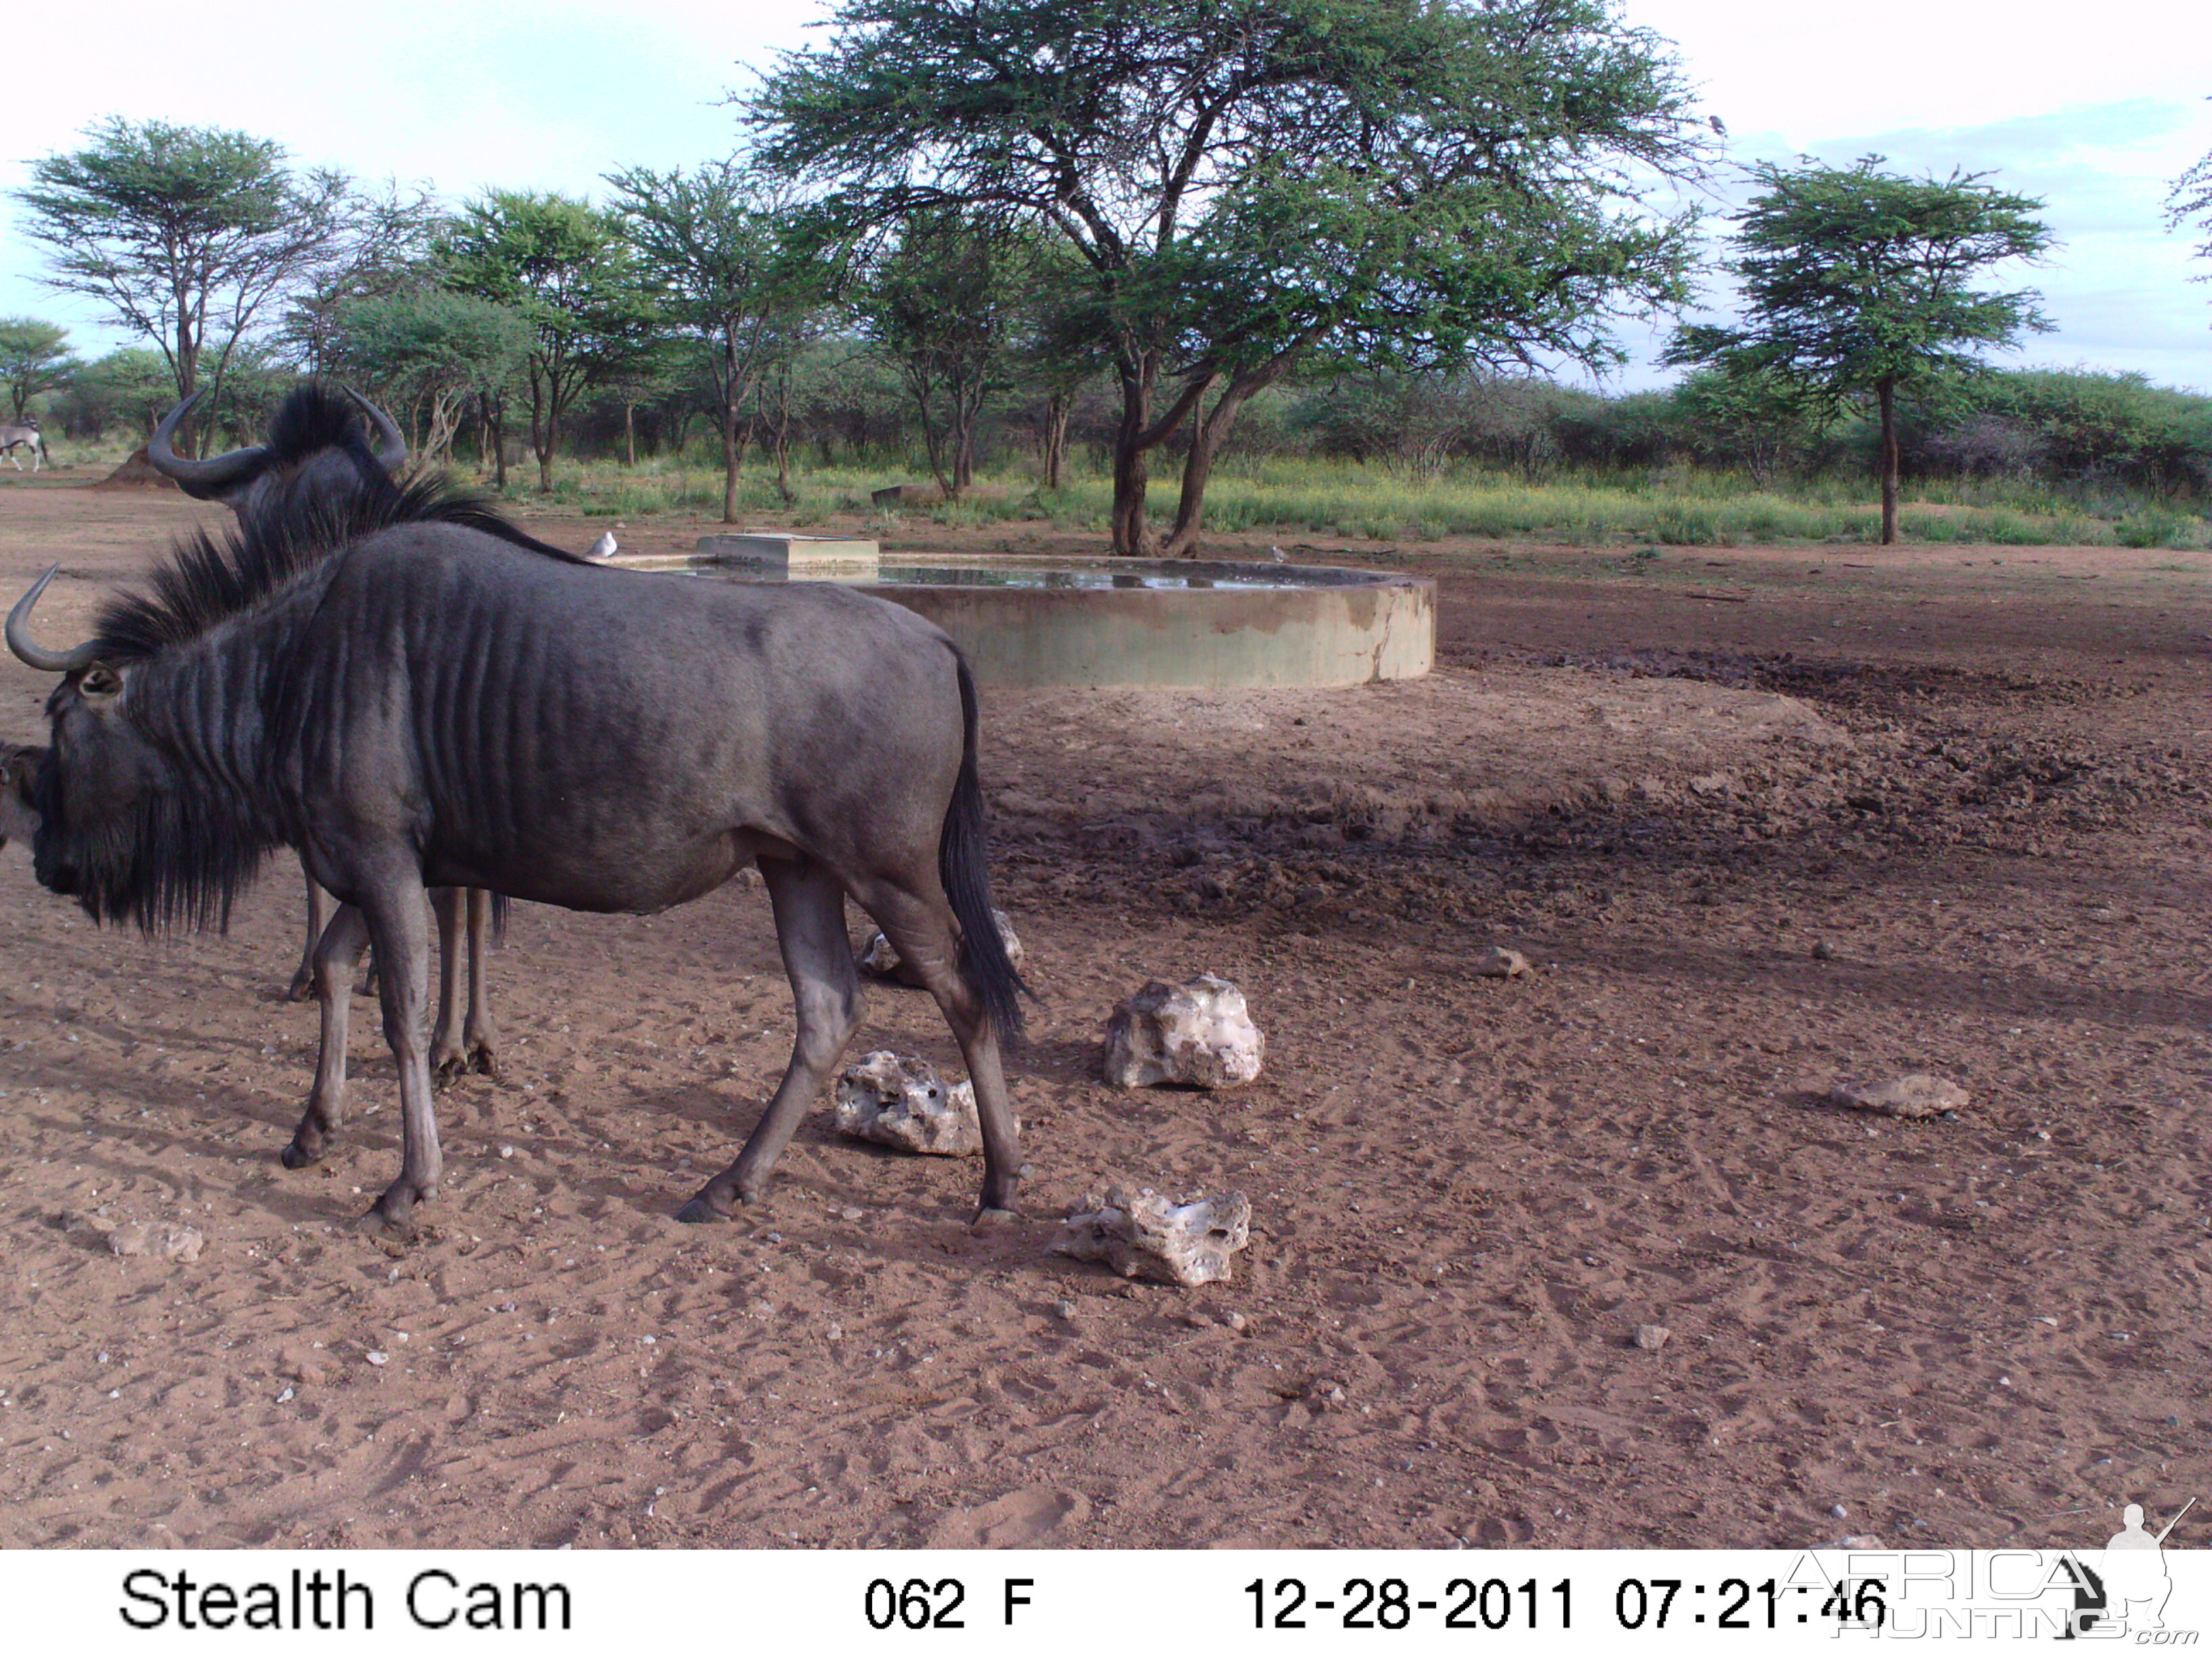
(1322, 627)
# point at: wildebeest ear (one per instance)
(100, 681)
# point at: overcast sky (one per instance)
(2095, 116)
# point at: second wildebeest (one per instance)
(431, 703)
(318, 455)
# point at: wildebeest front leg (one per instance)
(809, 903)
(336, 959)
(399, 928)
(919, 928)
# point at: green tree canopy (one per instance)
(566, 267)
(434, 351)
(947, 305)
(184, 234)
(734, 260)
(1858, 283)
(34, 357)
(1415, 182)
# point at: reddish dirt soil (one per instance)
(1763, 818)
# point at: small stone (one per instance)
(376, 1358)
(507, 1151)
(1198, 1320)
(1199, 1034)
(897, 1100)
(285, 1398)
(1496, 961)
(1652, 1338)
(1134, 1231)
(1854, 1540)
(1917, 1094)
(1839, 1512)
(1239, 1323)
(1823, 952)
(852, 1212)
(1065, 1308)
(130, 1239)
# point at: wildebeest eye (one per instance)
(100, 681)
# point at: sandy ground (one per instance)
(1764, 818)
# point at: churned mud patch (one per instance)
(1760, 824)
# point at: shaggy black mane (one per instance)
(208, 578)
(314, 416)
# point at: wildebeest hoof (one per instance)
(700, 1210)
(482, 1059)
(296, 1157)
(378, 1226)
(302, 986)
(989, 1218)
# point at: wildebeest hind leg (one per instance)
(810, 926)
(919, 928)
(336, 959)
(319, 906)
(398, 926)
(477, 1040)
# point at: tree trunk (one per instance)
(630, 434)
(494, 427)
(731, 457)
(1207, 438)
(1138, 373)
(1886, 390)
(1057, 409)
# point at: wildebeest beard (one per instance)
(180, 857)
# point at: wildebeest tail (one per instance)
(965, 866)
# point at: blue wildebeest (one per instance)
(24, 434)
(408, 697)
(318, 453)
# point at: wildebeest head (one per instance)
(102, 793)
(316, 448)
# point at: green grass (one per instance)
(1287, 497)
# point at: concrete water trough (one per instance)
(1025, 620)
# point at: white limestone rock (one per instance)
(899, 1101)
(1917, 1094)
(1496, 961)
(1140, 1234)
(170, 1244)
(880, 957)
(1199, 1034)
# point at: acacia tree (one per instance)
(566, 267)
(735, 262)
(946, 306)
(34, 357)
(1859, 283)
(1418, 181)
(184, 234)
(435, 352)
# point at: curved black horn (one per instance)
(391, 453)
(20, 642)
(207, 477)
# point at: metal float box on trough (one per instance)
(795, 558)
